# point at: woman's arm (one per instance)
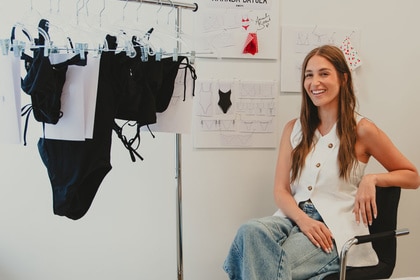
(316, 231)
(282, 192)
(372, 141)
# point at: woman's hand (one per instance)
(365, 201)
(318, 233)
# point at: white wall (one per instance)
(129, 232)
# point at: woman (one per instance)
(324, 197)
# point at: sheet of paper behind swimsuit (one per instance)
(10, 102)
(77, 101)
(243, 115)
(177, 118)
(71, 124)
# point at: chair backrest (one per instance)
(387, 200)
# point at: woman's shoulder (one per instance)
(291, 123)
(366, 128)
(293, 131)
(293, 126)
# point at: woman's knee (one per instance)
(251, 228)
(271, 228)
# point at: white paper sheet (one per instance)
(10, 99)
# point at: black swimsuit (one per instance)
(77, 168)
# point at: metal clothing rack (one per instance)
(180, 261)
(174, 4)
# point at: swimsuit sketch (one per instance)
(205, 96)
(224, 101)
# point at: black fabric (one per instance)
(77, 168)
(170, 69)
(146, 91)
(44, 82)
(387, 200)
(137, 102)
(224, 100)
(149, 88)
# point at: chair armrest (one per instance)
(382, 235)
(364, 239)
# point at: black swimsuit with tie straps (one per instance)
(77, 168)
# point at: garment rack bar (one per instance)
(175, 4)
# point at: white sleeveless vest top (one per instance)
(332, 196)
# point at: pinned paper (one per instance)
(10, 102)
(351, 54)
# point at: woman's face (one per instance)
(321, 82)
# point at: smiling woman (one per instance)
(321, 189)
(321, 82)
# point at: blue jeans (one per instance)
(274, 248)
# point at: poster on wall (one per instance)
(235, 114)
(237, 29)
(297, 41)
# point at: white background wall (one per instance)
(129, 232)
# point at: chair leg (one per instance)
(343, 256)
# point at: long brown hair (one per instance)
(346, 123)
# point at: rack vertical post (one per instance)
(178, 137)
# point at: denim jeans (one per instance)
(274, 248)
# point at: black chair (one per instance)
(382, 235)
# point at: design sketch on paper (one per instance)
(297, 41)
(237, 33)
(235, 113)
